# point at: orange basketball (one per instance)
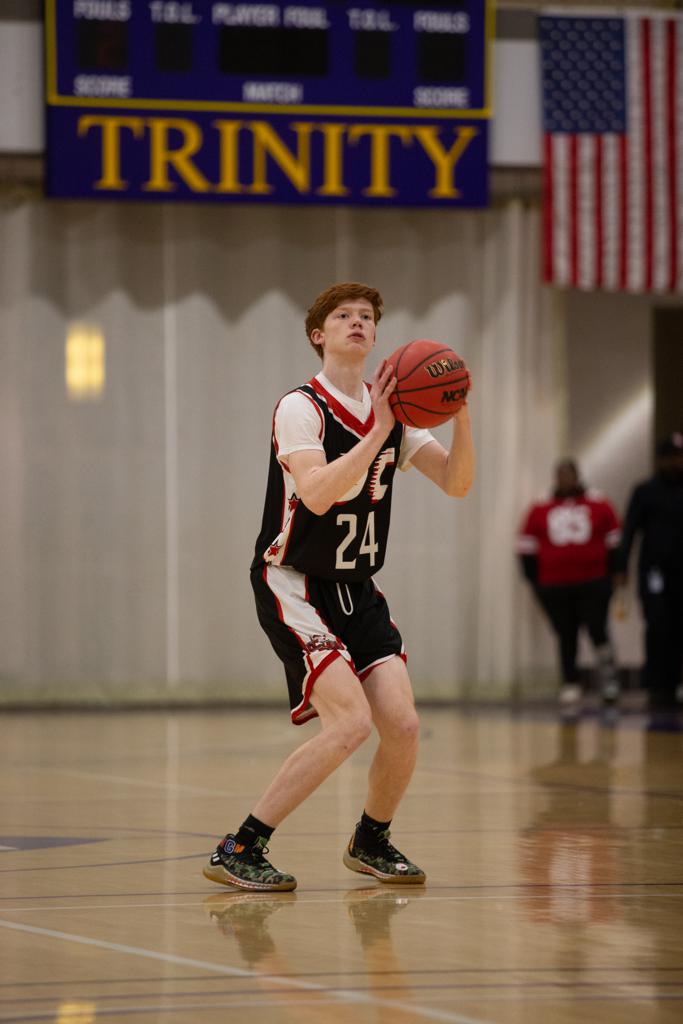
(432, 383)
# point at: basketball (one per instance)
(431, 383)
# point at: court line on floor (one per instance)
(154, 756)
(515, 782)
(173, 787)
(108, 864)
(120, 831)
(530, 888)
(127, 832)
(526, 897)
(402, 972)
(533, 988)
(469, 993)
(103, 1011)
(428, 1013)
(518, 781)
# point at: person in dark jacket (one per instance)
(655, 511)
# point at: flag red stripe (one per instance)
(548, 269)
(623, 212)
(647, 152)
(573, 212)
(599, 240)
(671, 151)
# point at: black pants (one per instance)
(661, 595)
(570, 607)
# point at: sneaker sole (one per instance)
(353, 864)
(217, 873)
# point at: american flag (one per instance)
(613, 151)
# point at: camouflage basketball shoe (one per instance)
(385, 862)
(246, 868)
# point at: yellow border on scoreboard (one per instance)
(56, 100)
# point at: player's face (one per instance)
(348, 330)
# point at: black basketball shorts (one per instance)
(310, 622)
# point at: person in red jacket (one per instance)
(567, 547)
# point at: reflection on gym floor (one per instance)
(553, 851)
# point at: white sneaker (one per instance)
(570, 695)
(610, 691)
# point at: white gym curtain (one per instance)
(127, 520)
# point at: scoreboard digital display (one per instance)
(282, 102)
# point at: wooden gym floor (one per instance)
(554, 856)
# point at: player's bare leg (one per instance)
(346, 722)
(390, 696)
(239, 860)
(393, 710)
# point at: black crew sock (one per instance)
(368, 832)
(250, 830)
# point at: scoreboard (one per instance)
(305, 102)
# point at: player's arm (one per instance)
(632, 524)
(320, 483)
(612, 534)
(527, 545)
(452, 470)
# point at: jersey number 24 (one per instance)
(368, 545)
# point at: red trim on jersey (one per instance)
(302, 713)
(285, 466)
(317, 409)
(380, 661)
(280, 614)
(290, 525)
(272, 429)
(315, 406)
(341, 412)
(304, 716)
(376, 475)
(381, 594)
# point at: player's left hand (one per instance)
(463, 412)
(383, 384)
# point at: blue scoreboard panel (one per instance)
(304, 102)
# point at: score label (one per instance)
(172, 13)
(369, 19)
(275, 102)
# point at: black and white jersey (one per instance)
(347, 543)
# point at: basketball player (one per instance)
(335, 449)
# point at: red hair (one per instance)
(334, 296)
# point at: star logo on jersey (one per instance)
(292, 502)
(273, 551)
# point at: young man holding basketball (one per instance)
(335, 448)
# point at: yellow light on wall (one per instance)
(76, 1013)
(85, 367)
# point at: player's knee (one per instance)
(409, 726)
(355, 728)
(404, 727)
